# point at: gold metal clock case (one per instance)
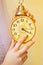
(22, 24)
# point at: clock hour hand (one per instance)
(25, 30)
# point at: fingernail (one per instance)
(33, 40)
(25, 35)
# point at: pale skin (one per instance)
(15, 54)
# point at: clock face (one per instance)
(22, 25)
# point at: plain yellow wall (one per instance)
(36, 8)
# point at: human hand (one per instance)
(15, 55)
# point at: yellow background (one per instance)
(35, 53)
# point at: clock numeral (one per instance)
(29, 24)
(15, 33)
(13, 29)
(30, 32)
(17, 21)
(22, 20)
(15, 25)
(31, 28)
(26, 21)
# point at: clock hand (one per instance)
(25, 30)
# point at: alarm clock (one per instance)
(22, 24)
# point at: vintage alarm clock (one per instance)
(23, 23)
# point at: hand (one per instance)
(15, 55)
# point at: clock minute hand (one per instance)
(25, 30)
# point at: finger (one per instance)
(17, 46)
(12, 44)
(25, 58)
(28, 45)
(21, 55)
